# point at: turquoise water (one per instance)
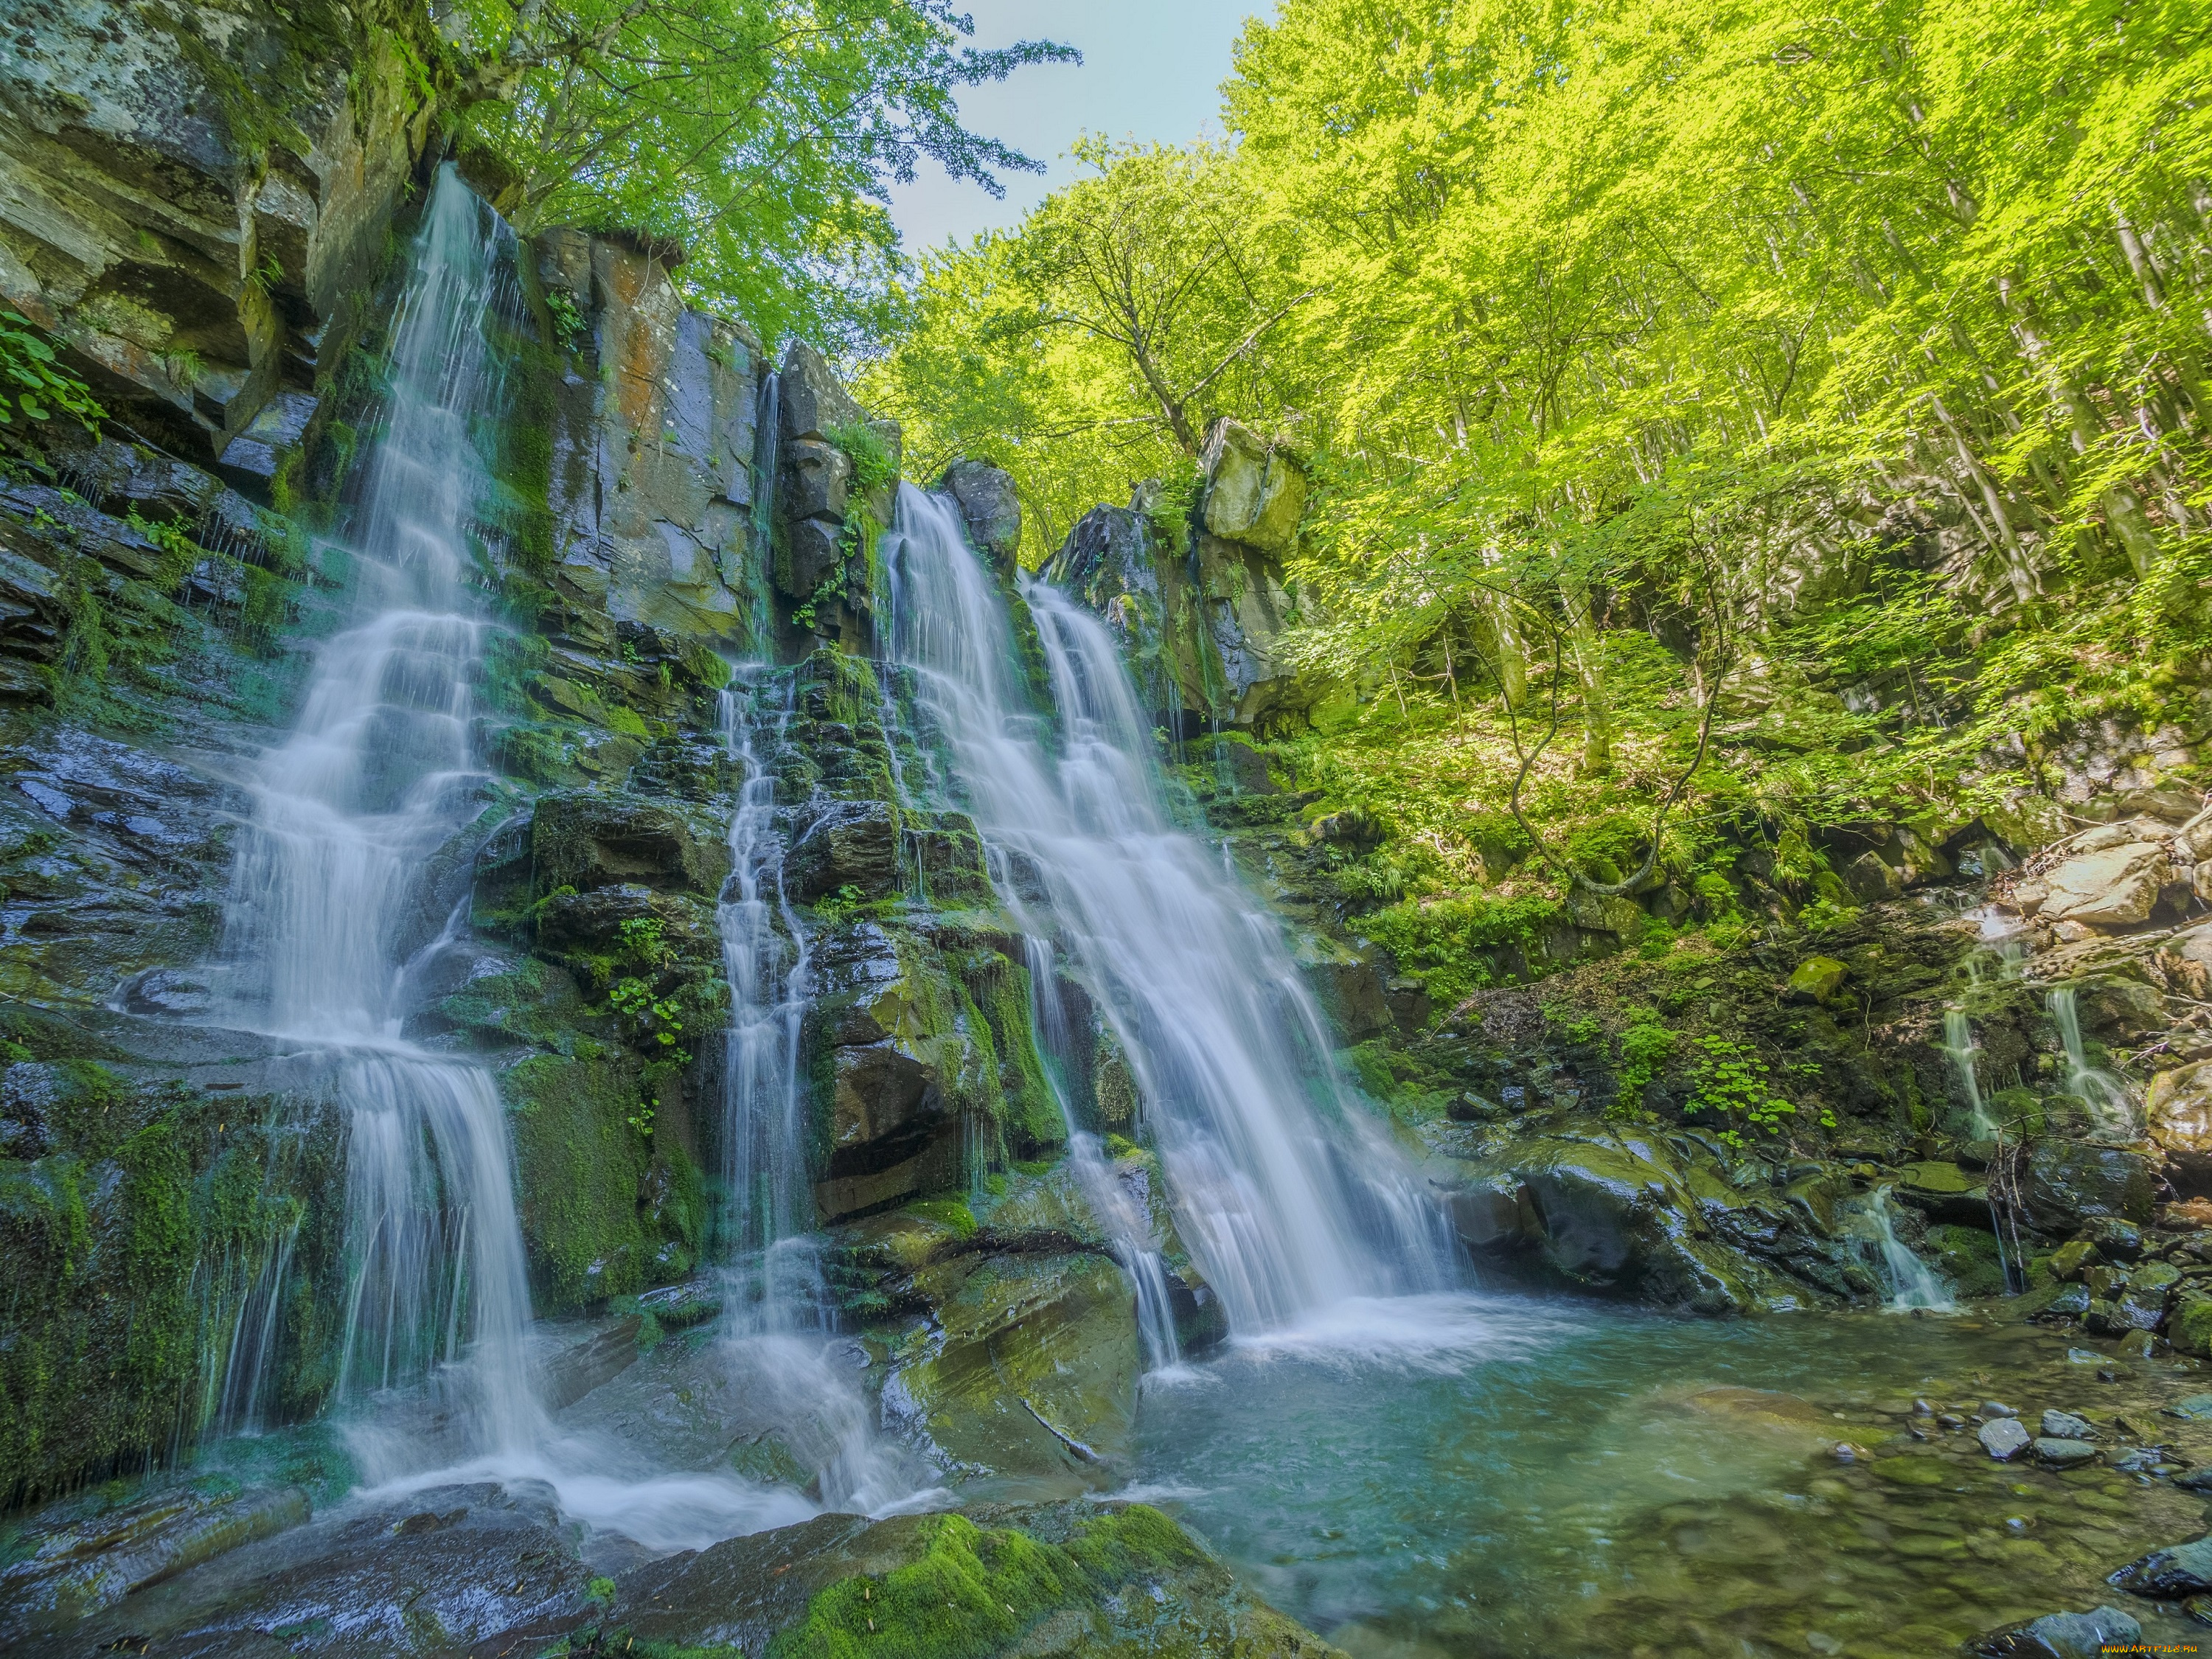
(1501, 1477)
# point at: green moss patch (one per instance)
(974, 1590)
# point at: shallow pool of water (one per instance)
(1501, 1477)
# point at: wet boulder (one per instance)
(1944, 1191)
(76, 1569)
(587, 838)
(593, 921)
(1621, 1214)
(2177, 1117)
(908, 1037)
(2061, 1636)
(990, 508)
(438, 1570)
(840, 844)
(2069, 1183)
(2169, 1575)
(1063, 1578)
(1033, 1365)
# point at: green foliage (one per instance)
(1853, 355)
(569, 325)
(759, 138)
(1450, 943)
(32, 384)
(873, 464)
(1729, 1080)
(1646, 1046)
(840, 907)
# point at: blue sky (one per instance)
(1151, 70)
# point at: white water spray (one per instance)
(378, 774)
(2112, 1108)
(1959, 1046)
(1911, 1282)
(775, 1334)
(1286, 1198)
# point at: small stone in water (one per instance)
(2065, 1454)
(1951, 1421)
(2002, 1437)
(2082, 1356)
(2064, 1425)
(2189, 1409)
(1996, 1408)
(2019, 1523)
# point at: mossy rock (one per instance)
(1116, 1579)
(132, 1242)
(603, 1212)
(1035, 1372)
(1969, 1258)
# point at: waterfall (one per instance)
(1959, 1044)
(775, 1335)
(1125, 1219)
(2106, 1097)
(1911, 1282)
(765, 958)
(379, 772)
(1286, 1197)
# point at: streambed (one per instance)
(1434, 1477)
(1579, 1480)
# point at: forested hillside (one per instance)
(1792, 421)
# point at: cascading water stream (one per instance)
(1959, 1046)
(765, 958)
(2110, 1107)
(777, 1332)
(378, 773)
(1287, 1200)
(1118, 1211)
(1910, 1282)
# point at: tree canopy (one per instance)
(761, 134)
(1886, 328)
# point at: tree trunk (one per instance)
(1590, 667)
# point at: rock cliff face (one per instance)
(1195, 596)
(666, 505)
(193, 199)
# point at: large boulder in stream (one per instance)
(1063, 1578)
(435, 1571)
(1630, 1215)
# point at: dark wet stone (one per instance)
(2059, 1636)
(77, 1570)
(2117, 1240)
(437, 1574)
(691, 1302)
(2002, 1437)
(2062, 1453)
(2071, 1303)
(2067, 1426)
(2169, 1574)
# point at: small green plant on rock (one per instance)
(31, 378)
(1646, 1046)
(1730, 1079)
(838, 907)
(873, 465)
